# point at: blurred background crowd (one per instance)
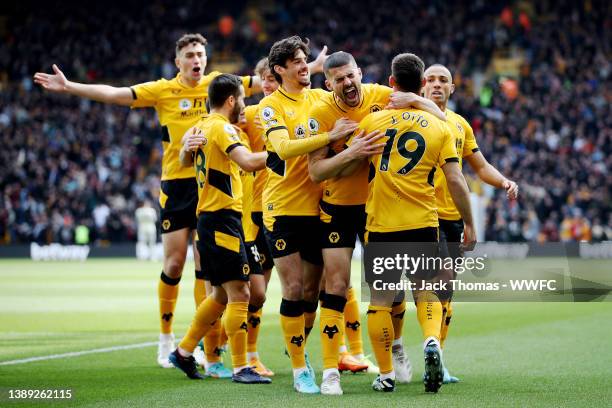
(533, 79)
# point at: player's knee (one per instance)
(239, 294)
(336, 286)
(294, 291)
(173, 266)
(258, 297)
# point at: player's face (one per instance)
(238, 108)
(268, 82)
(296, 70)
(438, 84)
(191, 62)
(345, 81)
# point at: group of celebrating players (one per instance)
(292, 183)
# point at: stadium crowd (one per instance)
(67, 162)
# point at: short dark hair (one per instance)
(187, 39)
(284, 50)
(407, 69)
(221, 88)
(338, 59)
(262, 66)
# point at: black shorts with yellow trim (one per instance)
(223, 254)
(421, 242)
(288, 234)
(254, 258)
(341, 225)
(178, 200)
(265, 254)
(450, 238)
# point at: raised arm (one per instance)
(57, 82)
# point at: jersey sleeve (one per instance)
(271, 118)
(382, 93)
(226, 137)
(320, 120)
(469, 146)
(448, 152)
(146, 94)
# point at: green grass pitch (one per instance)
(506, 354)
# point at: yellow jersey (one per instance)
(178, 107)
(353, 189)
(466, 145)
(401, 190)
(218, 177)
(288, 189)
(256, 141)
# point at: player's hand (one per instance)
(401, 100)
(56, 82)
(363, 145)
(343, 127)
(257, 123)
(193, 139)
(469, 238)
(511, 189)
(316, 66)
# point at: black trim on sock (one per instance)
(291, 308)
(310, 307)
(334, 302)
(254, 308)
(322, 295)
(199, 275)
(168, 280)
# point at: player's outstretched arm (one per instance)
(246, 160)
(490, 175)
(403, 100)
(461, 197)
(346, 162)
(57, 82)
(287, 148)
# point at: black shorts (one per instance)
(178, 200)
(294, 233)
(262, 245)
(450, 238)
(341, 225)
(254, 258)
(420, 243)
(223, 254)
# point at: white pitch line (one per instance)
(78, 353)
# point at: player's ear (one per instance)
(423, 82)
(391, 81)
(231, 100)
(359, 72)
(279, 69)
(328, 85)
(177, 62)
(452, 89)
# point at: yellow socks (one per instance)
(380, 330)
(167, 292)
(292, 324)
(236, 328)
(429, 313)
(397, 314)
(211, 343)
(353, 323)
(254, 323)
(331, 329)
(207, 314)
(199, 288)
(447, 313)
